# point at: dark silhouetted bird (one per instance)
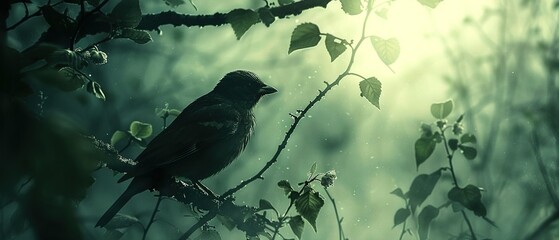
(206, 137)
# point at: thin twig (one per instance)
(209, 216)
(450, 155)
(403, 231)
(547, 179)
(152, 218)
(28, 16)
(340, 229)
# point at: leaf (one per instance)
(468, 152)
(266, 16)
(430, 3)
(112, 234)
(117, 136)
(264, 205)
(352, 7)
(371, 89)
(174, 112)
(286, 186)
(469, 197)
(382, 12)
(453, 144)
(208, 235)
(388, 50)
(424, 147)
(398, 192)
(424, 220)
(441, 110)
(421, 187)
(313, 169)
(140, 130)
(127, 13)
(285, 2)
(400, 216)
(95, 89)
(308, 205)
(56, 20)
(304, 36)
(174, 3)
(66, 57)
(241, 20)
(297, 225)
(121, 221)
(66, 79)
(93, 2)
(334, 47)
(72, 79)
(138, 36)
(468, 138)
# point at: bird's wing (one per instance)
(195, 128)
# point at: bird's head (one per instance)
(243, 87)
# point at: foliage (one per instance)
(424, 184)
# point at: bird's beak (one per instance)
(267, 90)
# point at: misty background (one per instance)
(488, 56)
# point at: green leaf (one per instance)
(56, 20)
(304, 36)
(401, 215)
(430, 3)
(208, 235)
(285, 2)
(312, 171)
(352, 7)
(469, 152)
(424, 147)
(398, 192)
(174, 112)
(112, 234)
(138, 36)
(468, 138)
(469, 197)
(308, 204)
(286, 186)
(95, 89)
(424, 221)
(127, 13)
(117, 136)
(421, 187)
(66, 57)
(265, 205)
(297, 225)
(121, 221)
(140, 130)
(72, 79)
(441, 110)
(174, 3)
(334, 47)
(93, 2)
(371, 89)
(241, 20)
(388, 50)
(453, 144)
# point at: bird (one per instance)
(203, 139)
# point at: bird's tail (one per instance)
(136, 186)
